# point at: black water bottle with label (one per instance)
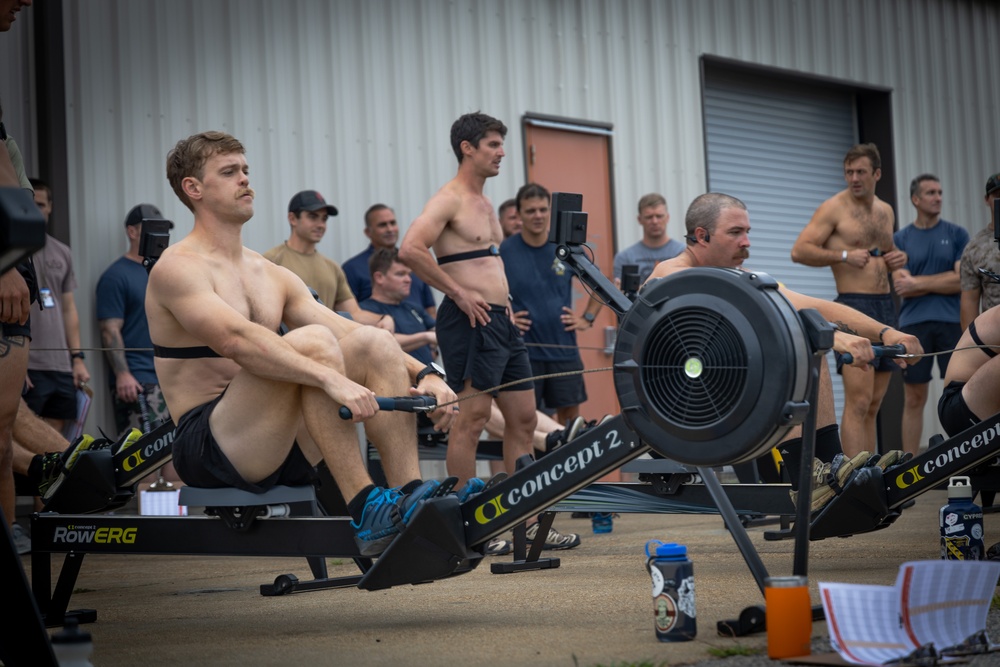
(961, 522)
(674, 616)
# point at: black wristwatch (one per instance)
(431, 368)
(590, 317)
(77, 355)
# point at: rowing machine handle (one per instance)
(887, 351)
(400, 403)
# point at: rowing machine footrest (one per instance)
(861, 507)
(89, 487)
(431, 546)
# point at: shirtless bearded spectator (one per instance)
(851, 232)
(253, 408)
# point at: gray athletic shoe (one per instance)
(829, 479)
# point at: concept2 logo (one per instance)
(586, 459)
(947, 457)
(139, 456)
(78, 534)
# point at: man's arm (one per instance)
(301, 310)
(852, 321)
(182, 287)
(969, 306)
(909, 286)
(15, 299)
(71, 324)
(365, 316)
(810, 248)
(8, 175)
(127, 387)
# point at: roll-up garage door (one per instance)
(778, 146)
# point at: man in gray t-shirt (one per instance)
(655, 245)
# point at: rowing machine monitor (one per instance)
(568, 223)
(153, 240)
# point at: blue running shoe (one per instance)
(471, 488)
(386, 512)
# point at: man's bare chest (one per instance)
(866, 228)
(254, 297)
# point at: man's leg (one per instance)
(375, 360)
(567, 413)
(35, 434)
(463, 439)
(13, 369)
(859, 395)
(913, 416)
(518, 408)
(980, 392)
(257, 420)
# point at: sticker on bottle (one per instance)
(46, 295)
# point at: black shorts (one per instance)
(199, 461)
(489, 355)
(934, 337)
(53, 395)
(880, 308)
(560, 392)
(954, 414)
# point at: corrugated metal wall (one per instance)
(355, 98)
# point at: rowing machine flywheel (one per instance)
(712, 366)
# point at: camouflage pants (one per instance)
(130, 415)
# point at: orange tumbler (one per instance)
(789, 617)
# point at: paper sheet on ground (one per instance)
(937, 601)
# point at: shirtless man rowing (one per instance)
(255, 409)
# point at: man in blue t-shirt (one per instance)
(121, 315)
(383, 231)
(391, 282)
(929, 288)
(542, 298)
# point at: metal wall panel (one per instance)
(355, 98)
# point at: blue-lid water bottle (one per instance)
(961, 522)
(603, 522)
(674, 612)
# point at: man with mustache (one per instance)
(255, 409)
(718, 234)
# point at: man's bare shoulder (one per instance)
(442, 206)
(884, 209)
(835, 205)
(672, 265)
(178, 264)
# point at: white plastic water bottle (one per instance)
(72, 646)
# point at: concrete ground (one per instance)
(593, 610)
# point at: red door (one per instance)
(567, 156)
